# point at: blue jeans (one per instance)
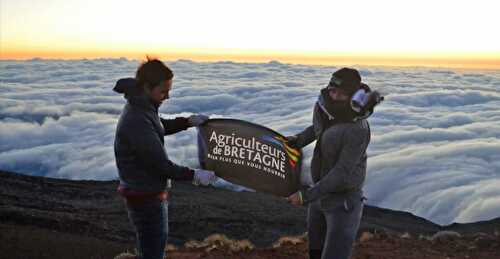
(332, 232)
(150, 220)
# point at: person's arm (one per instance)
(173, 126)
(337, 179)
(182, 123)
(150, 150)
(302, 139)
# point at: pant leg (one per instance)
(150, 220)
(342, 226)
(316, 226)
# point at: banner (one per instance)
(250, 155)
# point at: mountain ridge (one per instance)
(93, 210)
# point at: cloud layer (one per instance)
(435, 140)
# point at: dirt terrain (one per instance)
(53, 218)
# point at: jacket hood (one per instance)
(127, 86)
(321, 102)
(133, 93)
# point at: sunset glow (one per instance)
(421, 33)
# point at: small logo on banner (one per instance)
(293, 154)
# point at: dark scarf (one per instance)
(335, 111)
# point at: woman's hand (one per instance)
(292, 141)
(296, 199)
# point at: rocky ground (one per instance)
(53, 218)
(378, 245)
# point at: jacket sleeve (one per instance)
(339, 177)
(305, 137)
(151, 152)
(175, 125)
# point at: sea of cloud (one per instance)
(435, 148)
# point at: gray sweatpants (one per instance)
(333, 230)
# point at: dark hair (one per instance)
(152, 72)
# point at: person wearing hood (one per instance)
(338, 166)
(144, 167)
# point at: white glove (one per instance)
(203, 177)
(197, 120)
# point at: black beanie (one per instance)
(347, 79)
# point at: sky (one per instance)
(435, 140)
(441, 33)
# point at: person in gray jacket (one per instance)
(144, 167)
(338, 167)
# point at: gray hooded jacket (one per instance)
(338, 166)
(141, 158)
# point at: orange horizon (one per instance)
(388, 59)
